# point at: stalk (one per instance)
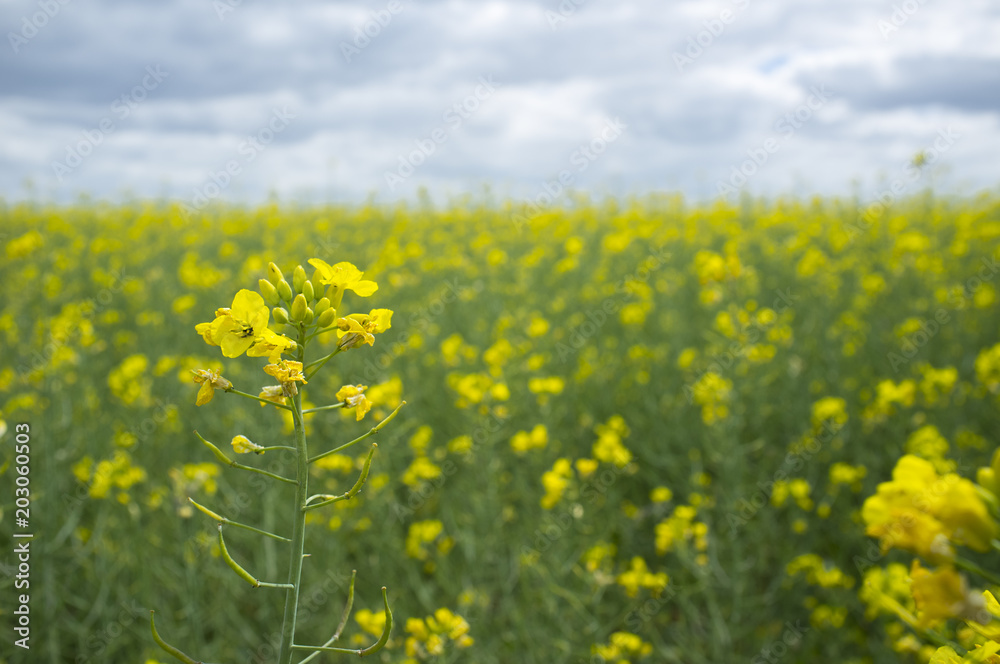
(298, 524)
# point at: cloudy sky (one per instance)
(235, 99)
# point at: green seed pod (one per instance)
(298, 278)
(274, 274)
(298, 308)
(280, 315)
(269, 292)
(325, 319)
(309, 317)
(322, 305)
(284, 290)
(308, 291)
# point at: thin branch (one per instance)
(242, 573)
(374, 430)
(223, 520)
(226, 460)
(233, 390)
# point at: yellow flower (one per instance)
(235, 329)
(661, 494)
(638, 576)
(273, 393)
(210, 382)
(358, 329)
(342, 277)
(353, 396)
(270, 344)
(243, 445)
(622, 647)
(944, 594)
(288, 373)
(920, 511)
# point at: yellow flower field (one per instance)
(640, 430)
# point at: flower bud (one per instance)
(309, 317)
(987, 479)
(274, 273)
(268, 291)
(280, 315)
(298, 278)
(322, 305)
(298, 308)
(308, 291)
(325, 319)
(284, 290)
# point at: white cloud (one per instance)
(559, 81)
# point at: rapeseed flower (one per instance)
(210, 382)
(235, 329)
(353, 396)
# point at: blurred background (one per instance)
(675, 287)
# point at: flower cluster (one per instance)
(933, 515)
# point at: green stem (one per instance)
(343, 620)
(330, 407)
(241, 572)
(332, 328)
(228, 522)
(223, 520)
(174, 652)
(372, 649)
(298, 524)
(353, 491)
(970, 566)
(266, 402)
(374, 430)
(220, 455)
(319, 363)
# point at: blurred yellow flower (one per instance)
(943, 594)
